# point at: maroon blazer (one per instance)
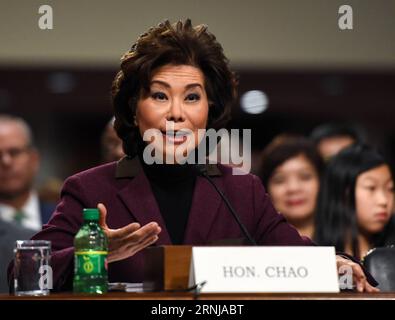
(125, 191)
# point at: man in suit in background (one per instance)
(19, 165)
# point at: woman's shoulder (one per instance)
(102, 172)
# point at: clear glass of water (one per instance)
(32, 269)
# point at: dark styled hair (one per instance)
(331, 130)
(285, 147)
(178, 44)
(336, 221)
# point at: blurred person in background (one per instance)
(355, 203)
(290, 171)
(19, 165)
(111, 144)
(330, 138)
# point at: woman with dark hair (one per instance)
(185, 45)
(177, 76)
(290, 170)
(355, 203)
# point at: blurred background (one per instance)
(296, 68)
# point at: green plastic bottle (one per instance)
(90, 256)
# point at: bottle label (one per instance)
(90, 262)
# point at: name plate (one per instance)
(264, 269)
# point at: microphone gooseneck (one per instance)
(203, 172)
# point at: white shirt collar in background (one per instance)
(32, 218)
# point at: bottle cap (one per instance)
(91, 214)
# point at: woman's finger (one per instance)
(145, 231)
(361, 281)
(371, 289)
(133, 249)
(103, 216)
(121, 233)
(358, 276)
(140, 237)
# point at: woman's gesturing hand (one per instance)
(127, 241)
(359, 278)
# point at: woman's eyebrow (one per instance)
(165, 84)
(369, 178)
(192, 85)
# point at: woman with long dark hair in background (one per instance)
(355, 202)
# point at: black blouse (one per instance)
(173, 186)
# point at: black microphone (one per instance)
(202, 170)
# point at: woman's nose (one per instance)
(176, 113)
(293, 185)
(383, 197)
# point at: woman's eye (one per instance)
(277, 180)
(192, 97)
(159, 96)
(306, 176)
(370, 188)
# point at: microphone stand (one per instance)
(203, 172)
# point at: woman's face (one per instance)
(374, 199)
(177, 101)
(293, 188)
